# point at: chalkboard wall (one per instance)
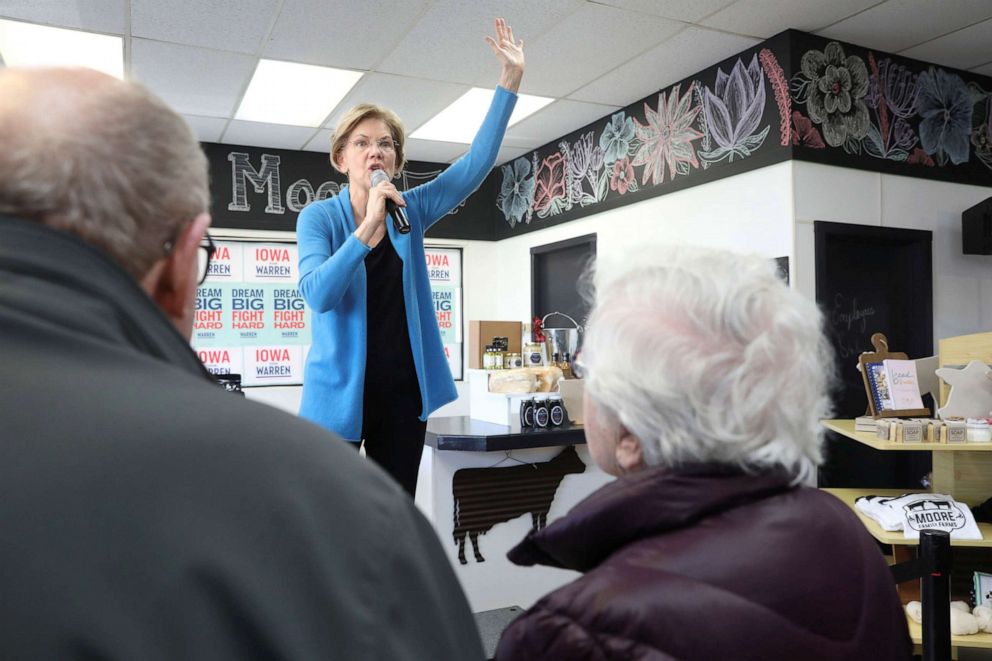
(872, 279)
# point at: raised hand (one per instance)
(510, 53)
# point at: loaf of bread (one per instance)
(524, 380)
(516, 381)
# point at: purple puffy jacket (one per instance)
(710, 563)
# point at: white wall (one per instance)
(962, 284)
(749, 212)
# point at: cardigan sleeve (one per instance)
(325, 273)
(450, 188)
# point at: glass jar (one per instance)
(534, 354)
(512, 360)
(978, 430)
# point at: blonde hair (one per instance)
(359, 114)
(103, 159)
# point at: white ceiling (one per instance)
(593, 56)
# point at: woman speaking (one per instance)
(377, 368)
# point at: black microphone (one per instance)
(398, 213)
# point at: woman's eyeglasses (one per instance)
(385, 145)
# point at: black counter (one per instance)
(467, 435)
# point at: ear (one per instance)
(630, 456)
(172, 281)
(336, 165)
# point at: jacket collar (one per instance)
(643, 504)
(81, 289)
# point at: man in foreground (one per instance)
(145, 512)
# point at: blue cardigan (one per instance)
(332, 282)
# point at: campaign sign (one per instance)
(272, 365)
(211, 319)
(445, 299)
(226, 264)
(290, 322)
(221, 360)
(444, 268)
(271, 262)
(247, 305)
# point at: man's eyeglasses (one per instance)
(385, 145)
(205, 255)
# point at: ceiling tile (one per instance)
(963, 49)
(434, 151)
(562, 60)
(92, 15)
(552, 122)
(764, 18)
(898, 24)
(448, 43)
(985, 69)
(207, 129)
(507, 154)
(273, 136)
(194, 81)
(684, 55)
(342, 33)
(235, 25)
(682, 10)
(321, 141)
(415, 101)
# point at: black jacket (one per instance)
(147, 514)
(709, 563)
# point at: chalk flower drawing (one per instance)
(667, 137)
(733, 111)
(517, 192)
(804, 134)
(981, 137)
(945, 109)
(776, 78)
(585, 161)
(622, 178)
(550, 194)
(616, 137)
(892, 92)
(833, 87)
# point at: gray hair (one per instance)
(100, 158)
(707, 356)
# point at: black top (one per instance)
(389, 360)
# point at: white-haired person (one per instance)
(705, 378)
(377, 367)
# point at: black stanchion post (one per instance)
(935, 557)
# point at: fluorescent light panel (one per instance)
(460, 121)
(294, 94)
(30, 45)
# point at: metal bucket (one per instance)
(561, 341)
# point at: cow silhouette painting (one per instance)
(487, 496)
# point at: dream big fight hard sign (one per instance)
(250, 318)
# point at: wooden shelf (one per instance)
(846, 428)
(895, 537)
(975, 640)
